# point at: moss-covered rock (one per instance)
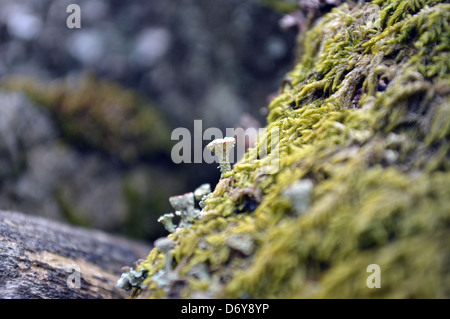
(360, 174)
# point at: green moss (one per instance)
(367, 121)
(100, 115)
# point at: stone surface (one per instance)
(40, 258)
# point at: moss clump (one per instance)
(367, 121)
(100, 115)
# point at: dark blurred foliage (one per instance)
(217, 61)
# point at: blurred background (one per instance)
(86, 114)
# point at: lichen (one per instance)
(222, 147)
(366, 121)
(166, 220)
(131, 279)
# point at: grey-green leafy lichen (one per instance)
(184, 206)
(366, 121)
(132, 279)
(202, 193)
(222, 147)
(166, 220)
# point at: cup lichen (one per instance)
(222, 147)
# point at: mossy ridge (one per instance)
(367, 120)
(99, 115)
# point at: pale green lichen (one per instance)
(201, 194)
(184, 206)
(299, 194)
(201, 191)
(222, 147)
(166, 220)
(366, 120)
(132, 279)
